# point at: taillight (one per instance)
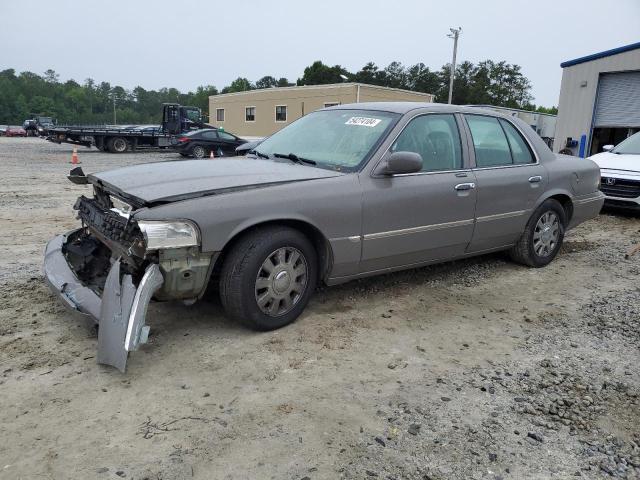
(184, 139)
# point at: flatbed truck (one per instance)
(176, 120)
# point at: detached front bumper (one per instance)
(121, 311)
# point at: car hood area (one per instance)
(625, 163)
(164, 182)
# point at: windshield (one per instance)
(45, 120)
(629, 146)
(338, 139)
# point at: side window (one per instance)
(226, 136)
(519, 148)
(436, 138)
(489, 141)
(210, 135)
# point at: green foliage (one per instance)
(320, 74)
(240, 84)
(27, 93)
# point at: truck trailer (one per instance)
(176, 120)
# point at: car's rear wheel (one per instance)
(117, 145)
(199, 151)
(543, 235)
(268, 277)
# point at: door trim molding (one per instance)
(423, 228)
(500, 216)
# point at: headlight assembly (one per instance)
(161, 235)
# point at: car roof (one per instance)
(405, 107)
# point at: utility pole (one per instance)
(115, 122)
(455, 33)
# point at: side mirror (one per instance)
(399, 163)
(607, 148)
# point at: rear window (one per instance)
(496, 142)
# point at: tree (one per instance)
(421, 79)
(320, 74)
(240, 84)
(283, 82)
(266, 82)
(371, 75)
(51, 76)
(396, 76)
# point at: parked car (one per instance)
(200, 143)
(15, 132)
(154, 129)
(3, 129)
(620, 171)
(342, 193)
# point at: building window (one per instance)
(281, 113)
(331, 104)
(250, 114)
(219, 114)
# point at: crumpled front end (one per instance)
(113, 301)
(113, 266)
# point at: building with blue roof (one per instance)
(599, 100)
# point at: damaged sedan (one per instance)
(345, 192)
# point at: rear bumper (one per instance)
(120, 312)
(586, 207)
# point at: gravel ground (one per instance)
(471, 369)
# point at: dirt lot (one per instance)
(473, 369)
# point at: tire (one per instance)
(117, 145)
(542, 237)
(199, 151)
(256, 297)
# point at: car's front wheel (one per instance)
(543, 235)
(268, 277)
(199, 151)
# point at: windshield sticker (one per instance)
(363, 121)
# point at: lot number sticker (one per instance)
(363, 121)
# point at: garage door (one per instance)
(618, 103)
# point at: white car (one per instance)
(620, 172)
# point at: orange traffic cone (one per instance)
(74, 157)
(211, 155)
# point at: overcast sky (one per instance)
(184, 44)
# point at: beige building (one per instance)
(259, 113)
(599, 100)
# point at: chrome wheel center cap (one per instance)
(281, 282)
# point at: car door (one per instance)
(209, 140)
(425, 216)
(509, 181)
(228, 143)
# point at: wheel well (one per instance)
(566, 203)
(321, 244)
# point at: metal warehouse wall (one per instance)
(576, 103)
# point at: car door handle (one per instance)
(465, 186)
(536, 179)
